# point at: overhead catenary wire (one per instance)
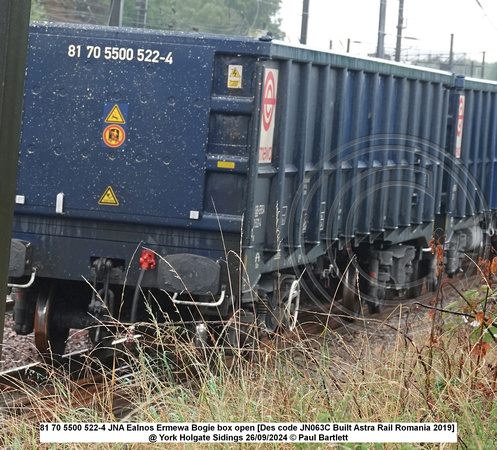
(486, 15)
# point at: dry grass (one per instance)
(440, 371)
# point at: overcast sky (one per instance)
(429, 22)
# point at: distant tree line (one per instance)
(235, 17)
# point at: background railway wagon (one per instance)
(370, 160)
(470, 183)
(241, 164)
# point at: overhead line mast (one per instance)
(305, 19)
(14, 23)
(380, 50)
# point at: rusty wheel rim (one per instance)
(42, 315)
(49, 339)
(350, 297)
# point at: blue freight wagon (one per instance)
(200, 177)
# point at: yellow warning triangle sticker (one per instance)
(234, 74)
(115, 116)
(108, 198)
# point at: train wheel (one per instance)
(376, 306)
(282, 307)
(430, 266)
(350, 297)
(416, 281)
(49, 338)
(272, 313)
(291, 305)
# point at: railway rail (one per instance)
(82, 376)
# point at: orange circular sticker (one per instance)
(114, 136)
